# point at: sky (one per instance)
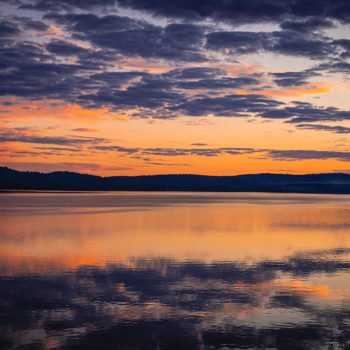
(131, 87)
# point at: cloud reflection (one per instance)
(144, 279)
(207, 304)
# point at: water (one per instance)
(174, 271)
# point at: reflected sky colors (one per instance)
(174, 271)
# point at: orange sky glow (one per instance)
(221, 110)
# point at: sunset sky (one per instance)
(131, 87)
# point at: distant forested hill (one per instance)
(313, 183)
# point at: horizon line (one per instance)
(171, 174)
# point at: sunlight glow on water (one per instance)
(174, 271)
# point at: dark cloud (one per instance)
(335, 129)
(174, 152)
(203, 78)
(7, 135)
(119, 149)
(183, 41)
(302, 112)
(236, 11)
(121, 77)
(41, 80)
(83, 130)
(142, 96)
(168, 93)
(34, 75)
(63, 48)
(16, 55)
(8, 28)
(237, 42)
(308, 15)
(205, 152)
(226, 106)
(344, 43)
(93, 75)
(97, 25)
(28, 23)
(310, 45)
(286, 42)
(306, 24)
(293, 78)
(194, 73)
(13, 26)
(96, 144)
(137, 38)
(29, 72)
(46, 167)
(308, 154)
(59, 5)
(215, 152)
(335, 67)
(59, 149)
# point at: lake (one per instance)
(168, 270)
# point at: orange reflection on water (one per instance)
(228, 229)
(296, 287)
(219, 264)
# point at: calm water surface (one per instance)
(174, 271)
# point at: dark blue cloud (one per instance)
(293, 78)
(221, 83)
(30, 70)
(306, 24)
(8, 28)
(237, 42)
(93, 75)
(97, 144)
(337, 129)
(15, 55)
(166, 95)
(286, 42)
(8, 135)
(186, 42)
(312, 13)
(308, 154)
(135, 37)
(59, 5)
(302, 112)
(236, 11)
(226, 106)
(194, 73)
(335, 67)
(63, 48)
(11, 26)
(40, 80)
(286, 155)
(312, 45)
